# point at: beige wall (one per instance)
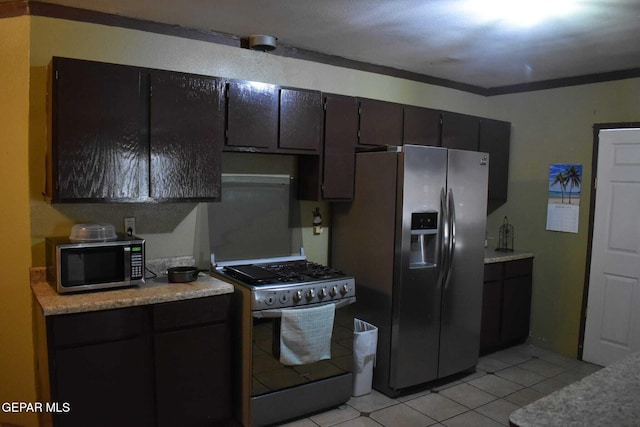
(548, 127)
(555, 126)
(17, 376)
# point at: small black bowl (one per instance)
(182, 274)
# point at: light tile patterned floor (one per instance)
(503, 382)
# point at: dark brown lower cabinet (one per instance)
(107, 384)
(491, 312)
(189, 364)
(193, 375)
(506, 304)
(159, 365)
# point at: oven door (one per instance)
(280, 392)
(269, 375)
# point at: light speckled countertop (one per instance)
(492, 256)
(608, 397)
(158, 290)
(155, 291)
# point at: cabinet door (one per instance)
(490, 326)
(252, 115)
(331, 176)
(516, 294)
(380, 122)
(300, 119)
(516, 300)
(193, 376)
(340, 138)
(421, 126)
(494, 139)
(460, 131)
(110, 384)
(97, 130)
(186, 136)
(100, 364)
(491, 307)
(192, 361)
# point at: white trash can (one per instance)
(365, 341)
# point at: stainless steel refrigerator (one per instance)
(413, 237)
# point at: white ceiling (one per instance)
(437, 38)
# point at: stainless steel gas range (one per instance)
(280, 285)
(255, 241)
(271, 391)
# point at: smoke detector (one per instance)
(262, 42)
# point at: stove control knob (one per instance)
(269, 300)
(322, 293)
(310, 294)
(344, 290)
(297, 296)
(334, 291)
(284, 298)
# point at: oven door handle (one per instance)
(277, 312)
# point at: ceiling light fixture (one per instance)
(524, 13)
(262, 42)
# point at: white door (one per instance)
(612, 328)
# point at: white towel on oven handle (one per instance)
(305, 334)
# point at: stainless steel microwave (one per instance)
(74, 266)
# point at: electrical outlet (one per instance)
(130, 226)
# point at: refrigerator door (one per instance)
(416, 293)
(462, 292)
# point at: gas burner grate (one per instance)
(303, 270)
(283, 272)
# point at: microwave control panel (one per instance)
(137, 264)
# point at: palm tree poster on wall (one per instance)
(563, 207)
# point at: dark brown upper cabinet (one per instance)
(380, 122)
(340, 138)
(131, 134)
(252, 116)
(494, 139)
(300, 119)
(460, 131)
(128, 134)
(186, 135)
(421, 126)
(98, 136)
(266, 118)
(331, 175)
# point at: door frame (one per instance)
(597, 127)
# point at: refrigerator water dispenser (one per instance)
(424, 231)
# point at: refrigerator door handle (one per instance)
(451, 211)
(444, 239)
